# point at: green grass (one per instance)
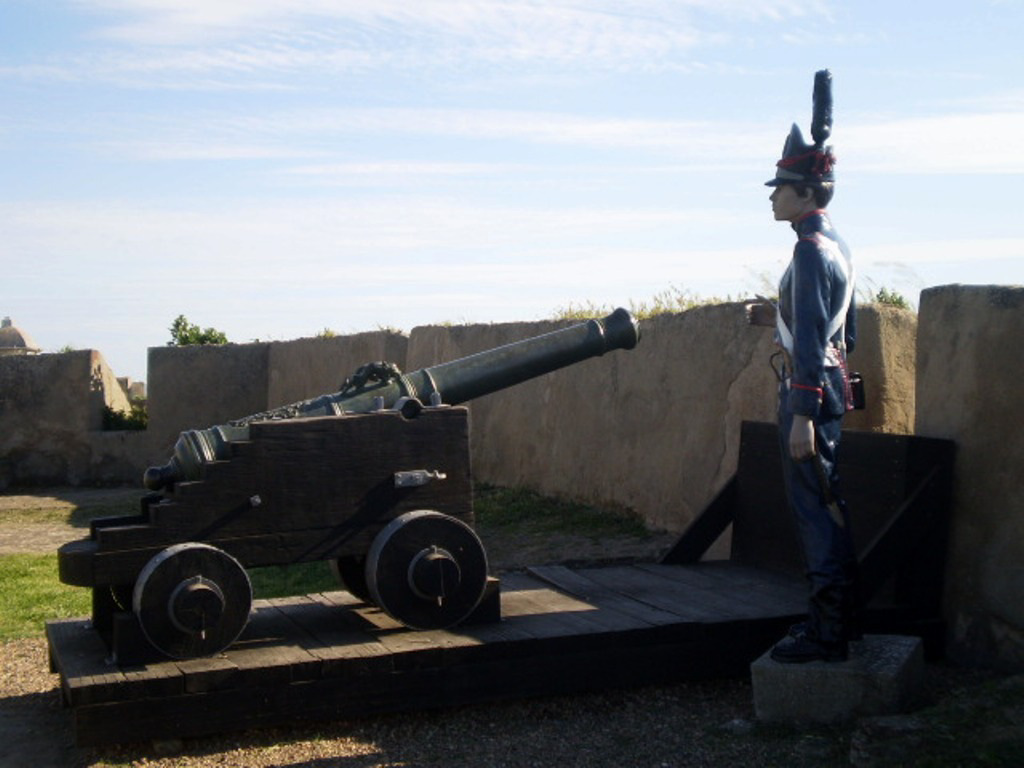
(524, 511)
(672, 299)
(32, 594)
(284, 580)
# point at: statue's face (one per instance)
(787, 205)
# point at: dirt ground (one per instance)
(693, 724)
(66, 510)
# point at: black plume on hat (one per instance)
(804, 163)
(821, 122)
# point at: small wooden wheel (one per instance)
(350, 570)
(427, 570)
(192, 600)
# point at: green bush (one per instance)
(135, 418)
(184, 334)
(891, 298)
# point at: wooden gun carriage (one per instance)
(375, 479)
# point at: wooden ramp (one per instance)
(328, 656)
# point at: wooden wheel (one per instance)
(121, 594)
(350, 570)
(192, 600)
(427, 570)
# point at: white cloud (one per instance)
(978, 143)
(955, 143)
(220, 43)
(170, 20)
(958, 251)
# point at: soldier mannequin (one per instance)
(815, 321)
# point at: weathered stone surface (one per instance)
(655, 430)
(883, 675)
(50, 406)
(971, 371)
(885, 355)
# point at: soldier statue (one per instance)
(815, 329)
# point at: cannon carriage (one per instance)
(376, 479)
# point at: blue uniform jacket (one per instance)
(817, 318)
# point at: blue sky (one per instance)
(272, 168)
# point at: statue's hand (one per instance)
(801, 438)
(760, 312)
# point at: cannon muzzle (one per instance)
(381, 386)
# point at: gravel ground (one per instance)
(693, 724)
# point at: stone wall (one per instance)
(199, 386)
(654, 430)
(305, 368)
(970, 369)
(885, 356)
(50, 406)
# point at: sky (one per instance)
(277, 168)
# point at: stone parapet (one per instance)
(970, 374)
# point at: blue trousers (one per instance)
(830, 559)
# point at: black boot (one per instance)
(801, 648)
(852, 616)
(823, 637)
(853, 612)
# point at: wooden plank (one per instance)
(706, 528)
(330, 655)
(737, 597)
(87, 674)
(348, 647)
(728, 602)
(579, 584)
(539, 600)
(565, 671)
(207, 674)
(156, 680)
(553, 619)
(405, 648)
(690, 606)
(914, 540)
(271, 649)
(746, 583)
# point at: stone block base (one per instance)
(884, 675)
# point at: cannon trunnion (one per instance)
(370, 478)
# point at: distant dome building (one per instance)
(14, 341)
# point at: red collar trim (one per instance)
(815, 212)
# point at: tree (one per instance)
(184, 334)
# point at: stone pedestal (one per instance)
(883, 675)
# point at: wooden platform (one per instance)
(327, 656)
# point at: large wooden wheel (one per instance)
(350, 570)
(427, 570)
(192, 600)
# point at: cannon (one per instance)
(374, 478)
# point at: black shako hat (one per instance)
(804, 163)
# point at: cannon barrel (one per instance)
(379, 386)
